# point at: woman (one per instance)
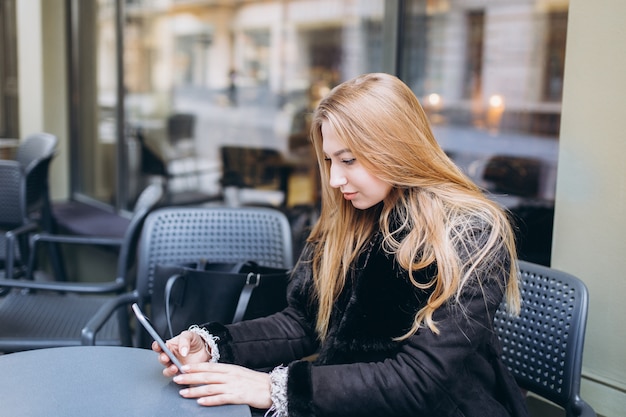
(391, 304)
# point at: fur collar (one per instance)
(377, 304)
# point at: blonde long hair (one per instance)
(440, 211)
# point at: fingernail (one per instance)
(183, 391)
(177, 378)
(184, 351)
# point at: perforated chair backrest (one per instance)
(34, 147)
(179, 235)
(543, 347)
(13, 196)
(35, 154)
(24, 181)
(146, 202)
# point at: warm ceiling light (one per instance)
(496, 101)
(434, 99)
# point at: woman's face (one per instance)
(357, 185)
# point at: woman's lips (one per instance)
(349, 196)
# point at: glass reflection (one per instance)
(247, 73)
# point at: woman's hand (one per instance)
(187, 346)
(220, 383)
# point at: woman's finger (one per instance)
(201, 378)
(170, 371)
(164, 359)
(215, 383)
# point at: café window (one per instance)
(207, 97)
(489, 74)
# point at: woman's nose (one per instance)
(337, 179)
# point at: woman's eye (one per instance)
(349, 161)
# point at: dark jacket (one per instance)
(359, 370)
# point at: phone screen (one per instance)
(145, 322)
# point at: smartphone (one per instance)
(145, 322)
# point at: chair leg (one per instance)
(56, 261)
(49, 224)
(14, 245)
(8, 261)
(8, 264)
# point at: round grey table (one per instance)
(95, 381)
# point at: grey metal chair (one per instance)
(543, 347)
(24, 198)
(41, 314)
(179, 235)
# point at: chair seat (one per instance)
(50, 320)
(82, 219)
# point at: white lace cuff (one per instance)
(278, 392)
(210, 342)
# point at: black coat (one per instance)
(360, 371)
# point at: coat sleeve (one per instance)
(423, 378)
